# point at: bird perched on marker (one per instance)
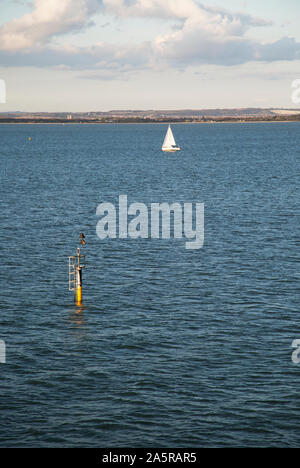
(82, 237)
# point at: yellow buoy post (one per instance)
(79, 286)
(76, 265)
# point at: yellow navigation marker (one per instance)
(76, 265)
(79, 286)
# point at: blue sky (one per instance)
(89, 55)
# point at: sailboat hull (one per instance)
(173, 150)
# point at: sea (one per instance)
(171, 347)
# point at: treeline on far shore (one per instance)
(120, 120)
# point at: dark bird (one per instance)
(82, 237)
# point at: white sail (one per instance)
(170, 143)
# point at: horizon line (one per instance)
(150, 110)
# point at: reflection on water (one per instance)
(78, 321)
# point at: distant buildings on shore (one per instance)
(156, 116)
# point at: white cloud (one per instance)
(100, 60)
(202, 35)
(216, 18)
(47, 19)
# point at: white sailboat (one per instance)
(169, 144)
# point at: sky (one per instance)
(100, 55)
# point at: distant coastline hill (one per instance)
(152, 116)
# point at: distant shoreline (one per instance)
(160, 117)
(122, 122)
(155, 116)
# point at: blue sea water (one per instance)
(171, 348)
